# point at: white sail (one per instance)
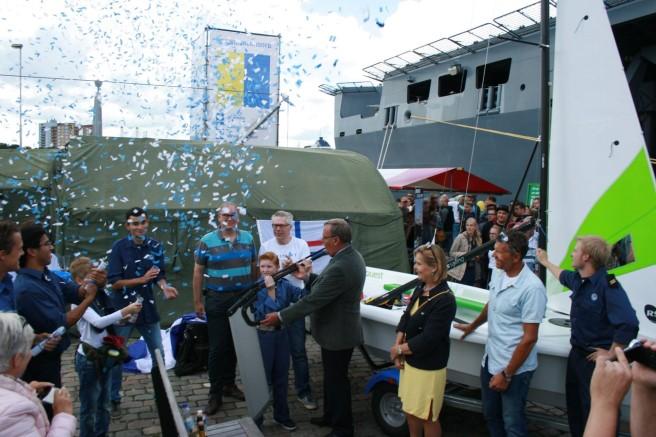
(600, 180)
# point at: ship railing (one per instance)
(351, 87)
(514, 25)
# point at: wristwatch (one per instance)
(505, 375)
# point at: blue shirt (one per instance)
(601, 311)
(227, 263)
(286, 294)
(7, 298)
(128, 260)
(41, 298)
(524, 301)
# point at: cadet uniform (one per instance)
(601, 314)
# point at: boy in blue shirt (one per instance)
(274, 342)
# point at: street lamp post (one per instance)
(20, 90)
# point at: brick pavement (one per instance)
(140, 415)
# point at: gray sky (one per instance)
(152, 42)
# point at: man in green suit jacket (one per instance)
(334, 305)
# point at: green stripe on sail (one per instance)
(628, 207)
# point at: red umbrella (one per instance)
(441, 179)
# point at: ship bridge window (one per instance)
(451, 84)
(418, 92)
(493, 74)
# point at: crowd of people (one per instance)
(108, 302)
(461, 224)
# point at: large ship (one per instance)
(433, 106)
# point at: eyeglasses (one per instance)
(325, 237)
(137, 222)
(430, 247)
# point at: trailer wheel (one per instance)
(386, 406)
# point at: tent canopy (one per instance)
(91, 184)
(440, 179)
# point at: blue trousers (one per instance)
(275, 355)
(153, 338)
(296, 334)
(504, 411)
(94, 397)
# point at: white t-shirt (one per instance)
(296, 250)
(92, 318)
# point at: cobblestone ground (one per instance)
(140, 415)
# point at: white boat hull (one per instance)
(464, 366)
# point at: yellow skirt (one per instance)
(419, 389)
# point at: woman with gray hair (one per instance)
(21, 411)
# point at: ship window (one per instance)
(418, 92)
(358, 131)
(342, 133)
(496, 73)
(621, 253)
(451, 84)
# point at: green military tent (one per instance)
(96, 179)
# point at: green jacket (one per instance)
(334, 302)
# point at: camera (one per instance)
(635, 351)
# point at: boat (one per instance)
(411, 111)
(598, 165)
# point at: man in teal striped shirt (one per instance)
(226, 259)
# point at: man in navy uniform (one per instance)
(602, 319)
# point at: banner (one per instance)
(241, 74)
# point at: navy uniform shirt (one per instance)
(41, 298)
(128, 260)
(7, 299)
(286, 294)
(601, 311)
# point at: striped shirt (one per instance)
(227, 264)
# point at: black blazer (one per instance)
(427, 331)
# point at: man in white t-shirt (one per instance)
(290, 250)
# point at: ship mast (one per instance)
(544, 124)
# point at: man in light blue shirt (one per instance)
(517, 305)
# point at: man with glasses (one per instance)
(291, 249)
(226, 260)
(515, 308)
(334, 305)
(41, 297)
(136, 262)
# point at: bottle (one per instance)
(133, 317)
(200, 424)
(38, 348)
(186, 417)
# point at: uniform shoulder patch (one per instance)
(612, 281)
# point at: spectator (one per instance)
(516, 307)
(468, 273)
(503, 214)
(487, 260)
(490, 201)
(11, 249)
(491, 220)
(334, 302)
(274, 343)
(421, 349)
(428, 222)
(226, 258)
(91, 363)
(609, 384)
(466, 213)
(135, 263)
(444, 223)
(535, 205)
(41, 297)
(291, 249)
(21, 411)
(602, 319)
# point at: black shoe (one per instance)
(319, 421)
(287, 425)
(233, 391)
(116, 409)
(213, 405)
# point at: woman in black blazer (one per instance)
(421, 350)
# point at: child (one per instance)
(274, 343)
(94, 380)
